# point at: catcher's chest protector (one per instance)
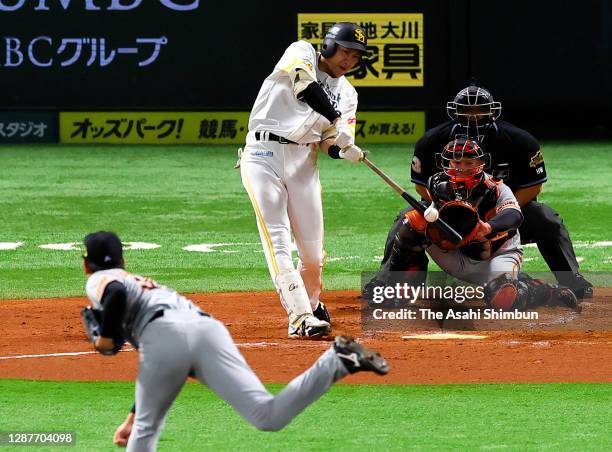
(483, 198)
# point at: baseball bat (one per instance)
(453, 235)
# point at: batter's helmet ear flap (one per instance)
(328, 48)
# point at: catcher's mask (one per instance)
(463, 161)
(475, 111)
(346, 34)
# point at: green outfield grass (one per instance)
(361, 417)
(177, 196)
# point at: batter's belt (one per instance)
(269, 136)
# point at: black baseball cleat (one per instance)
(356, 357)
(322, 313)
(563, 296)
(585, 292)
(307, 326)
(581, 287)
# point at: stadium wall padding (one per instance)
(549, 62)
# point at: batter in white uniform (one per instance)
(304, 105)
(176, 339)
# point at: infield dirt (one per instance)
(258, 324)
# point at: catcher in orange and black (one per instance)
(487, 215)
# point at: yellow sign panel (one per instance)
(389, 127)
(154, 127)
(215, 127)
(395, 46)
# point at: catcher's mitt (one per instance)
(462, 217)
(91, 320)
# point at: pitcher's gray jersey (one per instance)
(144, 298)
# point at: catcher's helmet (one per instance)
(475, 110)
(463, 160)
(346, 34)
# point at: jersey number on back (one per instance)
(145, 283)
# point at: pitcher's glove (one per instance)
(92, 318)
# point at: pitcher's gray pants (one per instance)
(181, 342)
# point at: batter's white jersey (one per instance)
(278, 111)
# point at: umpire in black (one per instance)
(516, 158)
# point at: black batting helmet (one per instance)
(346, 34)
(475, 110)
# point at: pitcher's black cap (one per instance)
(103, 249)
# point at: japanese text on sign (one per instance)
(395, 46)
(154, 127)
(215, 127)
(389, 127)
(22, 129)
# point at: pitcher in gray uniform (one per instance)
(176, 339)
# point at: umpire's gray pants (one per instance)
(182, 341)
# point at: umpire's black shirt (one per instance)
(515, 154)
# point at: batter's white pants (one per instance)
(183, 342)
(282, 181)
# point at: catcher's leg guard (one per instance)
(540, 293)
(543, 294)
(506, 293)
(408, 249)
(407, 263)
(404, 252)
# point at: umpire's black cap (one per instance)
(103, 249)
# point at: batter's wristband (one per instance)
(334, 151)
(133, 410)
